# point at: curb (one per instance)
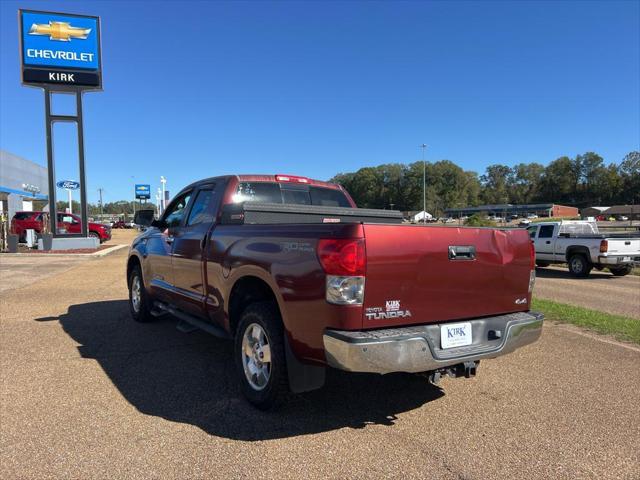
(98, 254)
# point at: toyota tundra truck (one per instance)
(301, 280)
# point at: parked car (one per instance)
(279, 263)
(70, 223)
(124, 224)
(622, 218)
(580, 245)
(525, 222)
(532, 216)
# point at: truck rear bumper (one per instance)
(417, 348)
(619, 259)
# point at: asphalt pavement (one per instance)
(87, 393)
(599, 291)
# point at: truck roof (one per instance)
(277, 178)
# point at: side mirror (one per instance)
(144, 218)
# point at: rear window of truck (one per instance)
(272, 192)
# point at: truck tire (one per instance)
(139, 301)
(260, 358)
(621, 271)
(96, 235)
(579, 266)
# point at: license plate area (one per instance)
(455, 335)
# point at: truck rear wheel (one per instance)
(579, 266)
(139, 301)
(621, 271)
(261, 364)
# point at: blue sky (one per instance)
(200, 89)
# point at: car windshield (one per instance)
(272, 192)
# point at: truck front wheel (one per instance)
(579, 266)
(139, 301)
(260, 356)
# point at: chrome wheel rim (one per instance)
(136, 293)
(576, 265)
(256, 356)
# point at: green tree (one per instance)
(630, 178)
(494, 184)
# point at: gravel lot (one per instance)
(87, 393)
(600, 291)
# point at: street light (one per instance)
(163, 181)
(424, 184)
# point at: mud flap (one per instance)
(302, 377)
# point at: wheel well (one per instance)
(581, 250)
(245, 291)
(132, 262)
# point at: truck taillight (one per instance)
(291, 178)
(532, 255)
(342, 256)
(344, 262)
(604, 246)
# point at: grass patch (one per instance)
(622, 328)
(636, 272)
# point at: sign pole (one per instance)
(83, 178)
(50, 163)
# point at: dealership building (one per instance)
(507, 209)
(21, 182)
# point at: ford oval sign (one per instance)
(68, 184)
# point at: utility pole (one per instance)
(424, 184)
(100, 190)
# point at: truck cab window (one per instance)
(546, 231)
(203, 210)
(263, 192)
(328, 197)
(532, 231)
(175, 212)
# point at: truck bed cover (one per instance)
(277, 213)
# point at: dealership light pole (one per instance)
(424, 184)
(163, 181)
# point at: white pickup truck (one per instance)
(579, 244)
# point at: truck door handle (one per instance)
(462, 252)
(548, 242)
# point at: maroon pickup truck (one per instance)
(302, 280)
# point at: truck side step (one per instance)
(185, 327)
(191, 320)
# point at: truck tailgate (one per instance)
(623, 246)
(412, 277)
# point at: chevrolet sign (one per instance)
(60, 49)
(143, 191)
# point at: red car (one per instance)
(302, 280)
(70, 223)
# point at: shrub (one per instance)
(479, 220)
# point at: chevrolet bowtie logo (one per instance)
(61, 31)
